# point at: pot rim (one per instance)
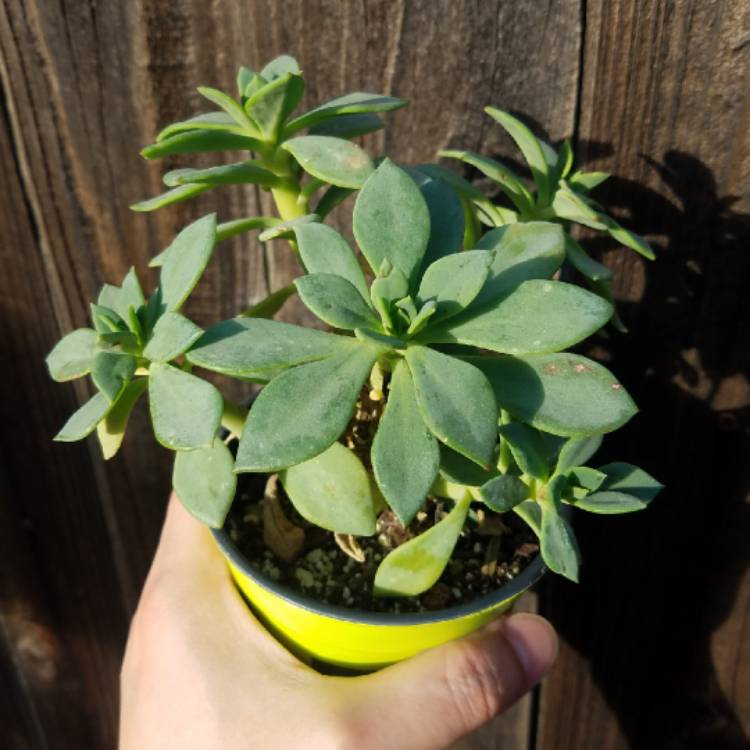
(524, 580)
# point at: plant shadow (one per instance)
(658, 587)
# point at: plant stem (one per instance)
(233, 418)
(286, 202)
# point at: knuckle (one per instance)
(475, 687)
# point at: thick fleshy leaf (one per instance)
(559, 547)
(527, 447)
(280, 66)
(538, 317)
(230, 106)
(333, 196)
(218, 121)
(287, 228)
(111, 372)
(564, 394)
(585, 181)
(106, 320)
(185, 410)
(335, 301)
(416, 565)
(461, 186)
(73, 355)
(85, 420)
(271, 104)
(228, 229)
(185, 261)
(303, 411)
(533, 250)
(460, 470)
(349, 104)
(583, 263)
(586, 478)
(239, 173)
(508, 181)
(333, 491)
(503, 493)
(577, 451)
(121, 298)
(111, 430)
(391, 220)
(270, 305)
(255, 347)
(626, 488)
(571, 206)
(173, 334)
(205, 482)
(324, 250)
(199, 141)
(629, 239)
(454, 281)
(405, 455)
(244, 78)
(333, 160)
(176, 195)
(531, 149)
(456, 402)
(446, 215)
(348, 126)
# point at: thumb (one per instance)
(439, 696)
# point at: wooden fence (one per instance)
(656, 650)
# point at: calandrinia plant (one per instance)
(461, 337)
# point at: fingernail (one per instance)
(534, 641)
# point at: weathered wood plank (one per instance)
(657, 637)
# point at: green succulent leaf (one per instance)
(564, 394)
(176, 195)
(460, 470)
(111, 429)
(287, 228)
(625, 489)
(173, 335)
(456, 402)
(230, 106)
(416, 565)
(577, 451)
(446, 215)
(73, 355)
(84, 421)
(217, 121)
(354, 103)
(405, 455)
(228, 229)
(508, 181)
(559, 547)
(391, 220)
(454, 281)
(333, 491)
(537, 317)
(279, 67)
(332, 197)
(333, 160)
(185, 261)
(111, 372)
(573, 207)
(335, 301)
(530, 147)
(586, 478)
(255, 347)
(303, 411)
(324, 250)
(503, 493)
(348, 126)
(106, 320)
(533, 250)
(239, 173)
(244, 77)
(629, 239)
(200, 141)
(270, 105)
(461, 186)
(270, 305)
(528, 449)
(585, 181)
(205, 482)
(185, 410)
(583, 263)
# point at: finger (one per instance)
(447, 692)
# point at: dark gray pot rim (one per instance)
(524, 580)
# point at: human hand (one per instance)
(200, 672)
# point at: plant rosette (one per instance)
(439, 410)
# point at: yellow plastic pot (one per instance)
(362, 640)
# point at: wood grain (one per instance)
(656, 92)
